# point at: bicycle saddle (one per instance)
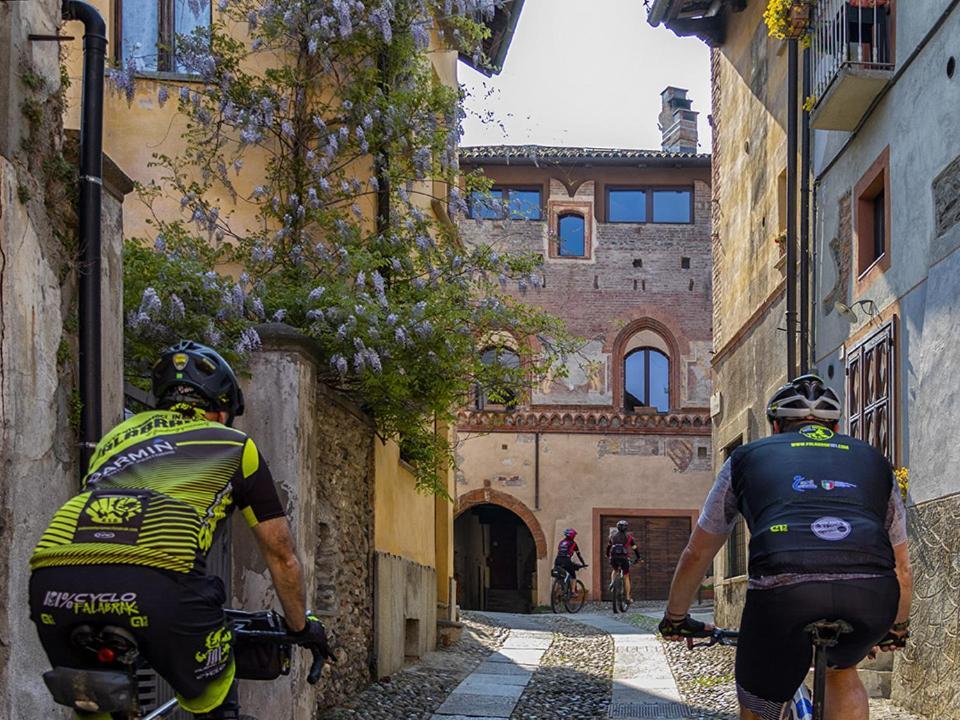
(826, 633)
(111, 644)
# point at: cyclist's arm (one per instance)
(280, 553)
(905, 578)
(694, 561)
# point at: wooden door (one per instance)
(661, 541)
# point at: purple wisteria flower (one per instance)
(248, 342)
(279, 315)
(316, 293)
(150, 304)
(340, 363)
(177, 309)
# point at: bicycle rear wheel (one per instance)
(619, 595)
(556, 595)
(577, 597)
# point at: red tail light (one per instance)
(106, 655)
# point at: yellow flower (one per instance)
(902, 476)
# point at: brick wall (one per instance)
(633, 271)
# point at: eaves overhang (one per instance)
(545, 155)
(705, 19)
(502, 27)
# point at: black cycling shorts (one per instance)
(178, 621)
(774, 651)
(620, 561)
(567, 564)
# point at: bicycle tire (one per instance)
(619, 595)
(577, 597)
(556, 595)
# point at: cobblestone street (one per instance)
(590, 666)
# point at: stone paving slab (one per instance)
(527, 642)
(464, 717)
(502, 668)
(474, 705)
(639, 690)
(517, 656)
(517, 679)
(474, 685)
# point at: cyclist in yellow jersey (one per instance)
(131, 548)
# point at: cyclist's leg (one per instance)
(626, 583)
(869, 605)
(846, 696)
(774, 650)
(229, 709)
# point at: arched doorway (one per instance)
(495, 559)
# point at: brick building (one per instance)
(626, 239)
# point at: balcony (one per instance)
(852, 49)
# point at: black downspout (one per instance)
(91, 185)
(805, 308)
(791, 260)
(536, 471)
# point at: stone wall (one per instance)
(38, 328)
(926, 679)
(406, 611)
(320, 450)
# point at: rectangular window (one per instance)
(873, 216)
(672, 206)
(572, 235)
(628, 206)
(651, 204)
(517, 203)
(147, 31)
(870, 390)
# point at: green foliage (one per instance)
(23, 194)
(352, 140)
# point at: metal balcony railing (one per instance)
(849, 35)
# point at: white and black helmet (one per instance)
(804, 397)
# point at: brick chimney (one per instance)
(678, 123)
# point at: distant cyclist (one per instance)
(565, 552)
(130, 550)
(828, 540)
(619, 544)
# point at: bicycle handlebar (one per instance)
(279, 637)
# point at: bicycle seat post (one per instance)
(823, 634)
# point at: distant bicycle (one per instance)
(619, 590)
(823, 634)
(567, 591)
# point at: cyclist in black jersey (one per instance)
(827, 541)
(130, 550)
(619, 544)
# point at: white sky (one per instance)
(585, 73)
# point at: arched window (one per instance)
(571, 233)
(497, 397)
(646, 379)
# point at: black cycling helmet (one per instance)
(195, 374)
(804, 397)
(622, 525)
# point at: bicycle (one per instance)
(823, 634)
(263, 649)
(619, 589)
(566, 590)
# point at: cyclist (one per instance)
(828, 541)
(565, 551)
(619, 544)
(130, 549)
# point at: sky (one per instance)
(585, 73)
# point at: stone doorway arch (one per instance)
(489, 496)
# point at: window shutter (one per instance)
(871, 390)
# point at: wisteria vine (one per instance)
(326, 116)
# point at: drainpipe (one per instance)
(791, 260)
(536, 471)
(91, 185)
(805, 310)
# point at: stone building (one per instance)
(748, 70)
(625, 239)
(39, 452)
(886, 295)
(884, 174)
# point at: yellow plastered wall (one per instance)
(404, 518)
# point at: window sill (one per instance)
(877, 268)
(162, 75)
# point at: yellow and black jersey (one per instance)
(158, 486)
